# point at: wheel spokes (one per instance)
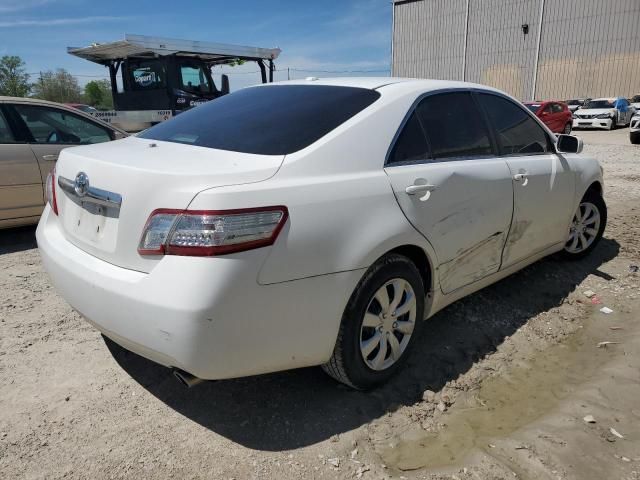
(369, 345)
(408, 304)
(382, 296)
(398, 290)
(406, 328)
(395, 346)
(583, 241)
(370, 320)
(378, 360)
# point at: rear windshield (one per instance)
(533, 107)
(273, 120)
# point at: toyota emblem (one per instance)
(81, 185)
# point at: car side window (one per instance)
(556, 108)
(50, 125)
(516, 131)
(5, 132)
(454, 126)
(411, 144)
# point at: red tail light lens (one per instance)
(211, 232)
(51, 190)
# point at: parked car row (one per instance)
(32, 134)
(605, 113)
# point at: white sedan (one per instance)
(313, 222)
(604, 113)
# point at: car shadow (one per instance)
(293, 409)
(17, 239)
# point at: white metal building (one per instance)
(533, 49)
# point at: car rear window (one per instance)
(533, 107)
(273, 120)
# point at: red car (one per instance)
(554, 114)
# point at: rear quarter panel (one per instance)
(342, 211)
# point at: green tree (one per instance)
(14, 80)
(59, 86)
(98, 94)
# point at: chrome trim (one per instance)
(91, 194)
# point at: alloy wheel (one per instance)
(584, 228)
(388, 324)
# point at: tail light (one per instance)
(51, 190)
(210, 232)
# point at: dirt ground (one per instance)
(498, 386)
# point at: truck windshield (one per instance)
(269, 120)
(194, 79)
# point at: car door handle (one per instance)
(518, 177)
(413, 189)
(50, 157)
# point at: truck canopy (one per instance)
(141, 46)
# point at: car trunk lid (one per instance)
(146, 175)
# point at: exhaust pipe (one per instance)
(186, 379)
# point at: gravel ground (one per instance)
(499, 385)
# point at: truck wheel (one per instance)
(379, 324)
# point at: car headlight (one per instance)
(605, 115)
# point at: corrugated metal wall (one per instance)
(428, 40)
(588, 47)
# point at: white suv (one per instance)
(311, 222)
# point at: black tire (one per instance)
(614, 123)
(567, 129)
(595, 199)
(634, 137)
(347, 364)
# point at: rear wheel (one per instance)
(587, 226)
(379, 324)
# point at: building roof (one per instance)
(141, 46)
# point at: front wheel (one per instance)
(587, 226)
(613, 123)
(379, 324)
(567, 129)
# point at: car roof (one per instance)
(62, 106)
(374, 83)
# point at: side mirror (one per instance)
(569, 144)
(224, 84)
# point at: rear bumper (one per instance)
(604, 123)
(207, 316)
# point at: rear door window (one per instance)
(268, 120)
(6, 136)
(454, 126)
(51, 125)
(557, 108)
(517, 133)
(411, 144)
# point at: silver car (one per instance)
(32, 134)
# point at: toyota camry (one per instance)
(311, 222)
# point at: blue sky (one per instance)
(313, 35)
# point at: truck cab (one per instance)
(154, 78)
